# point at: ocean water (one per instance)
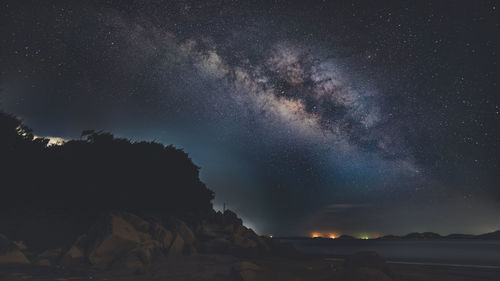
(459, 252)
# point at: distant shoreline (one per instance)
(411, 236)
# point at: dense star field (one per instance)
(324, 116)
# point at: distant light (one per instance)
(270, 236)
(365, 237)
(52, 140)
(332, 236)
(315, 235)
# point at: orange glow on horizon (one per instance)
(324, 235)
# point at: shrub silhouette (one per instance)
(99, 172)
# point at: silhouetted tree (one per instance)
(85, 177)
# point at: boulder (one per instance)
(180, 227)
(207, 231)
(48, 257)
(177, 247)
(224, 233)
(229, 229)
(139, 224)
(162, 235)
(112, 238)
(121, 239)
(10, 252)
(246, 239)
(140, 257)
(76, 254)
(229, 217)
(219, 246)
(21, 245)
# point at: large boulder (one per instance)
(140, 257)
(121, 239)
(10, 252)
(229, 217)
(112, 238)
(246, 238)
(225, 233)
(21, 245)
(218, 245)
(161, 234)
(207, 231)
(177, 247)
(48, 257)
(182, 229)
(75, 255)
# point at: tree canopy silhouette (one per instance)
(97, 173)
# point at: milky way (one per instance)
(302, 117)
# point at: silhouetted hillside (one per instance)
(83, 178)
(490, 235)
(422, 235)
(432, 235)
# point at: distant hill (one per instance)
(460, 236)
(491, 235)
(432, 235)
(390, 237)
(410, 236)
(422, 235)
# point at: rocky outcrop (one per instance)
(121, 240)
(21, 245)
(10, 252)
(48, 257)
(76, 253)
(225, 233)
(182, 229)
(177, 246)
(124, 240)
(422, 235)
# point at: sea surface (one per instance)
(456, 252)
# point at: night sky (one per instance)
(328, 116)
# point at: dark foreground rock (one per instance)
(48, 257)
(10, 253)
(124, 240)
(224, 233)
